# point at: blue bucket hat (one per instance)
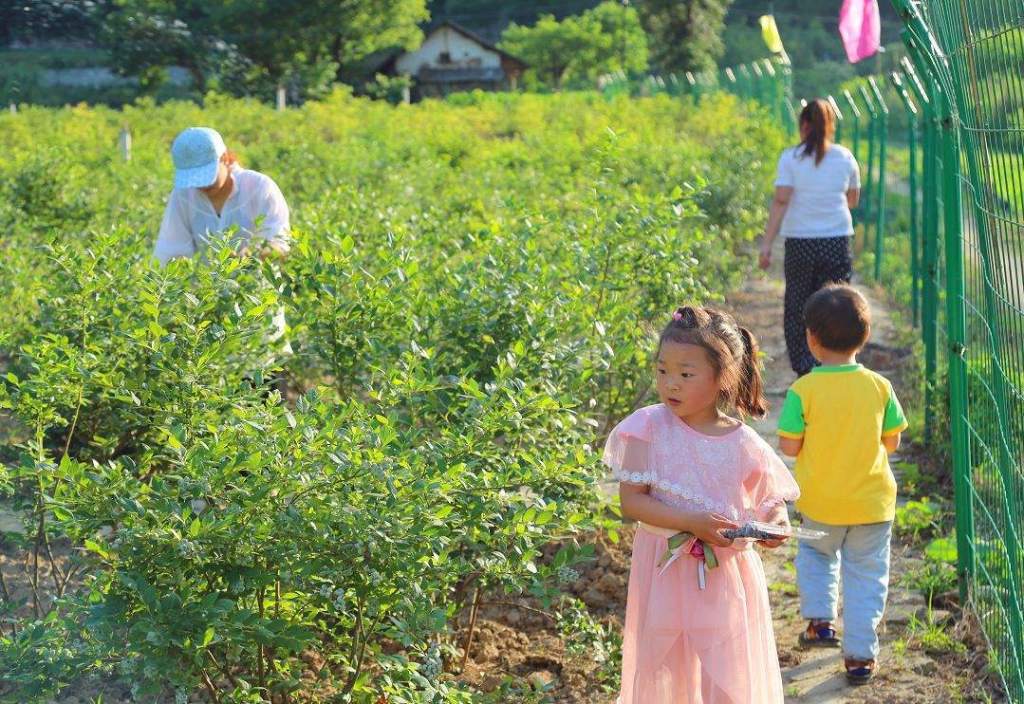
(196, 153)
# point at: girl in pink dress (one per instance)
(698, 627)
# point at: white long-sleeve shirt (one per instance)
(255, 205)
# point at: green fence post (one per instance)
(839, 117)
(883, 140)
(785, 71)
(855, 116)
(774, 95)
(869, 184)
(911, 109)
(759, 84)
(694, 87)
(967, 92)
(948, 145)
(929, 236)
(955, 318)
(731, 82)
(745, 82)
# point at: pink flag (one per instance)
(861, 28)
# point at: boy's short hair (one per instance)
(839, 317)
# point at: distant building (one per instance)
(452, 58)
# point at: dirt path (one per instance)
(815, 677)
(907, 674)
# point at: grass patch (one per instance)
(932, 637)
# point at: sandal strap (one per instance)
(822, 630)
(859, 668)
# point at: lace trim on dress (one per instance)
(680, 493)
(676, 490)
(773, 501)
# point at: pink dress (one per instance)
(681, 644)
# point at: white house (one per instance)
(452, 58)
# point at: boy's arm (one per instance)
(893, 423)
(791, 425)
(790, 446)
(891, 443)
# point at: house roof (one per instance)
(473, 36)
(384, 61)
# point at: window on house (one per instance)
(445, 58)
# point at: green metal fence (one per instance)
(769, 81)
(941, 224)
(961, 89)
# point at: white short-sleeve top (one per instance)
(255, 205)
(818, 207)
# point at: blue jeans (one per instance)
(862, 554)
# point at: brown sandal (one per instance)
(819, 634)
(859, 672)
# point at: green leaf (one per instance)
(95, 547)
(942, 550)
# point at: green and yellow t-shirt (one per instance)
(842, 413)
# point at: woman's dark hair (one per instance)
(817, 115)
(732, 351)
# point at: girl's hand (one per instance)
(779, 517)
(706, 526)
(765, 259)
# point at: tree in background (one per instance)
(244, 46)
(605, 39)
(810, 32)
(489, 18)
(685, 35)
(31, 20)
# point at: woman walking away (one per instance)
(698, 627)
(818, 183)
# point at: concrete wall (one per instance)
(99, 76)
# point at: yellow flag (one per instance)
(770, 33)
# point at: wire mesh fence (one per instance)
(768, 80)
(941, 226)
(963, 89)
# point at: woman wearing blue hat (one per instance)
(213, 193)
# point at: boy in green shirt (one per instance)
(841, 421)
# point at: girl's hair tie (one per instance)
(677, 316)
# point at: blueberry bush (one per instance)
(471, 296)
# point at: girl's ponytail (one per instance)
(750, 397)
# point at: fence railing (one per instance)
(942, 225)
(768, 80)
